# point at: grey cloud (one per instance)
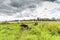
(19, 5)
(1, 1)
(24, 3)
(49, 0)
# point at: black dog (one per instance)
(24, 26)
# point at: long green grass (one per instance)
(45, 30)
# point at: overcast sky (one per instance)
(29, 9)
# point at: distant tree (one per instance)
(5, 22)
(45, 19)
(53, 18)
(38, 18)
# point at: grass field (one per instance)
(45, 30)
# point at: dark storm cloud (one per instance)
(49, 0)
(19, 5)
(22, 3)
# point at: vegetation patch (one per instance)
(32, 30)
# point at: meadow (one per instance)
(45, 30)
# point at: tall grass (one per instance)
(45, 30)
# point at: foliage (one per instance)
(45, 30)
